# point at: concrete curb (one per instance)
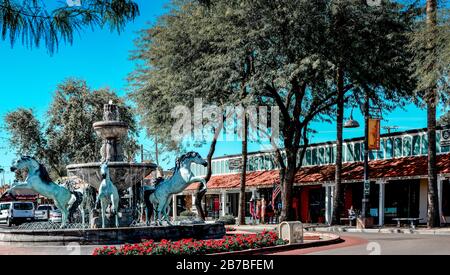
(379, 230)
(334, 239)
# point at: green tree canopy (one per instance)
(430, 45)
(33, 22)
(282, 53)
(68, 136)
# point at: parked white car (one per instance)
(16, 212)
(55, 216)
(42, 212)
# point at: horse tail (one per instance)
(76, 204)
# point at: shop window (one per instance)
(328, 155)
(321, 156)
(389, 148)
(308, 157)
(416, 145)
(333, 155)
(446, 198)
(271, 162)
(214, 167)
(398, 147)
(402, 199)
(350, 155)
(407, 143)
(266, 165)
(424, 144)
(251, 164)
(314, 156)
(227, 166)
(380, 153)
(358, 150)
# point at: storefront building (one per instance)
(398, 173)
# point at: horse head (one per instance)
(104, 170)
(191, 157)
(33, 166)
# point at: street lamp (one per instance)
(354, 124)
(351, 123)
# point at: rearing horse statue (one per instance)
(108, 194)
(159, 197)
(39, 181)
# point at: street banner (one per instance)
(374, 134)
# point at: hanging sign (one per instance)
(445, 138)
(374, 134)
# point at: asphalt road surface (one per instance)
(355, 244)
(382, 244)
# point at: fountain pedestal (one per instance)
(124, 175)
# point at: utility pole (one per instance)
(365, 200)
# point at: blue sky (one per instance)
(28, 79)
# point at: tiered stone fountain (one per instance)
(124, 174)
(127, 176)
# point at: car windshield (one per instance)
(44, 207)
(23, 206)
(5, 206)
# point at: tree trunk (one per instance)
(287, 184)
(199, 193)
(433, 201)
(242, 197)
(338, 199)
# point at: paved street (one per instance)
(355, 244)
(382, 244)
(72, 249)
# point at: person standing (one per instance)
(258, 211)
(253, 210)
(263, 210)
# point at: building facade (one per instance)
(398, 173)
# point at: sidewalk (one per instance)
(385, 230)
(337, 229)
(256, 228)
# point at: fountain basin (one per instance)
(123, 174)
(112, 236)
(111, 129)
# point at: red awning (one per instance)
(380, 169)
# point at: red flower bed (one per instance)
(193, 247)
